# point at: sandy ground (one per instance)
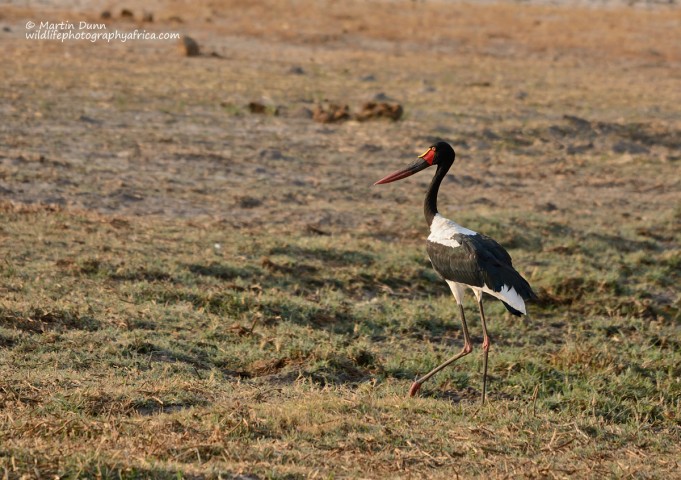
(548, 107)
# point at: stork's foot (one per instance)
(415, 387)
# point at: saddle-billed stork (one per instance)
(464, 258)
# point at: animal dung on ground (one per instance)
(189, 46)
(256, 107)
(371, 110)
(260, 108)
(126, 13)
(331, 113)
(335, 113)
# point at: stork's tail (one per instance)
(524, 291)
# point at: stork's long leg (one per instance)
(467, 348)
(485, 349)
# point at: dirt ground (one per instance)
(566, 121)
(569, 106)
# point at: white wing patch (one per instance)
(509, 295)
(442, 230)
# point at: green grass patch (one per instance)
(134, 346)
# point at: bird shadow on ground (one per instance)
(467, 395)
(452, 395)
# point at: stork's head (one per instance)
(440, 154)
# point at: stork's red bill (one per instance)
(425, 160)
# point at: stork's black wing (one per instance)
(478, 261)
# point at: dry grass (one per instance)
(191, 290)
(155, 353)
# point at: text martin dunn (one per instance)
(71, 26)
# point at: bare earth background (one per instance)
(192, 289)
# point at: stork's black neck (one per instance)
(430, 204)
